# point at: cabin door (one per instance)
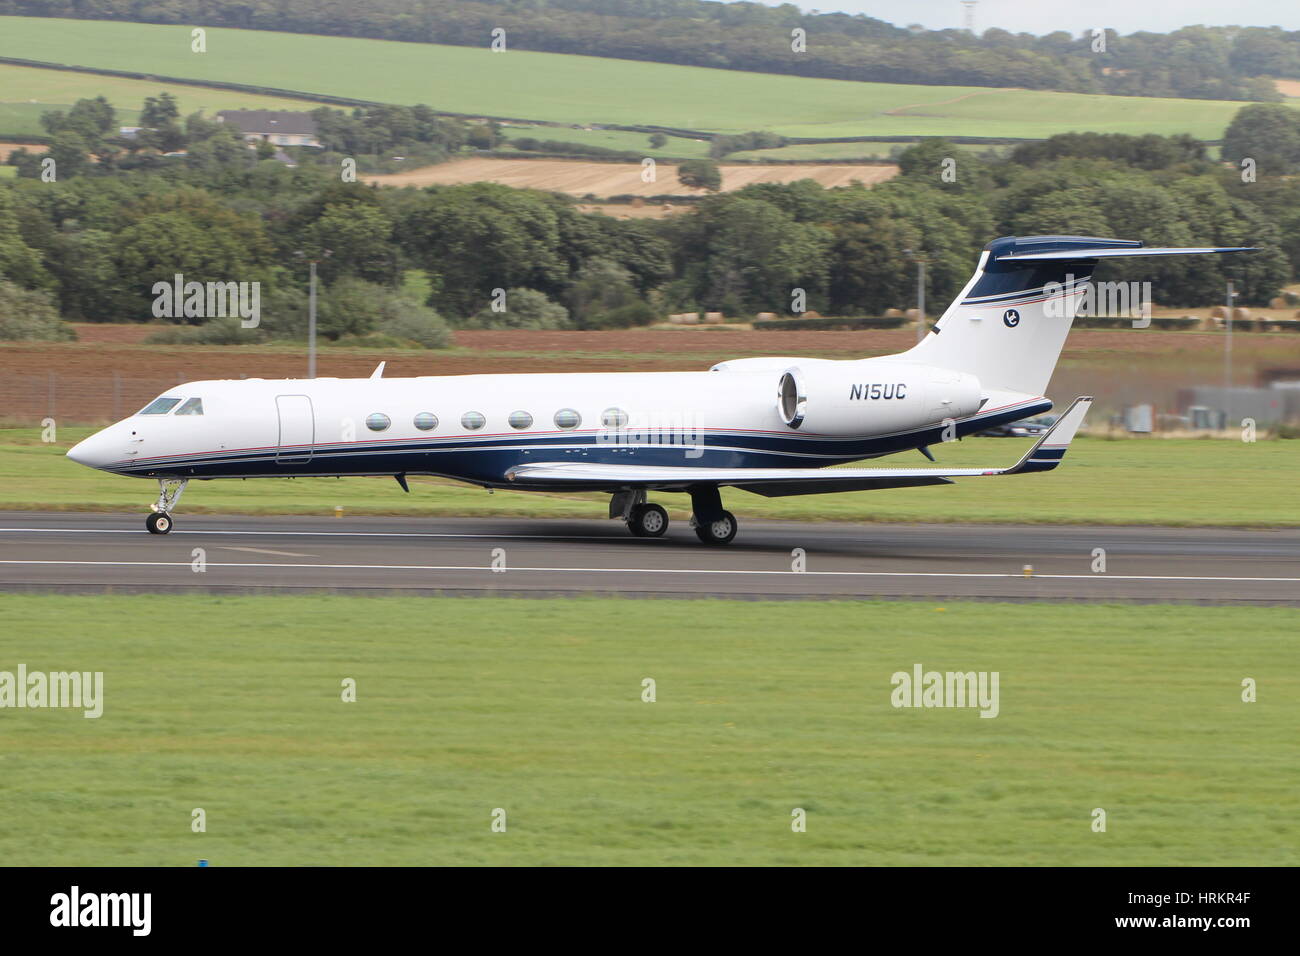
(297, 429)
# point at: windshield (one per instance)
(192, 407)
(160, 406)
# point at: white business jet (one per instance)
(773, 426)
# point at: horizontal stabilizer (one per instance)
(1118, 253)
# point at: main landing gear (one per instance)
(169, 494)
(713, 525)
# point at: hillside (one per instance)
(571, 89)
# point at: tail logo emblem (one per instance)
(1011, 318)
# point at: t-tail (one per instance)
(1009, 323)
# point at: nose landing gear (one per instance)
(169, 495)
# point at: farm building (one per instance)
(281, 128)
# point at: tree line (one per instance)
(401, 265)
(1200, 62)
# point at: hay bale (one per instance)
(811, 314)
(1277, 303)
(713, 318)
(1219, 312)
(893, 313)
(913, 315)
(765, 316)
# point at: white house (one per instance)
(280, 128)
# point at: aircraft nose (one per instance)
(97, 451)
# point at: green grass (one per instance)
(678, 147)
(27, 92)
(8, 172)
(813, 152)
(534, 706)
(1126, 481)
(577, 89)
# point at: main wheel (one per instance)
(648, 521)
(721, 530)
(158, 523)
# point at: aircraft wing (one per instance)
(1045, 455)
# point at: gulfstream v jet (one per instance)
(772, 426)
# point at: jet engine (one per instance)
(844, 399)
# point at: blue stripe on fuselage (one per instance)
(486, 460)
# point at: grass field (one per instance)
(233, 705)
(678, 147)
(27, 92)
(577, 89)
(811, 152)
(1125, 481)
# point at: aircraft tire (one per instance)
(158, 523)
(648, 521)
(721, 530)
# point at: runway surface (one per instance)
(97, 552)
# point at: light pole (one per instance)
(1227, 358)
(920, 261)
(311, 313)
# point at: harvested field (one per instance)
(7, 148)
(578, 178)
(98, 380)
(1288, 87)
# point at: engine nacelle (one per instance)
(844, 399)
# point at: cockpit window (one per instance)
(192, 407)
(160, 406)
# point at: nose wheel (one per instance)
(169, 495)
(158, 523)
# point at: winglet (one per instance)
(378, 372)
(1048, 451)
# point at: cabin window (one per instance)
(613, 418)
(472, 421)
(160, 406)
(378, 422)
(426, 421)
(192, 407)
(567, 418)
(520, 420)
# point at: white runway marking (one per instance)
(480, 567)
(279, 554)
(324, 534)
